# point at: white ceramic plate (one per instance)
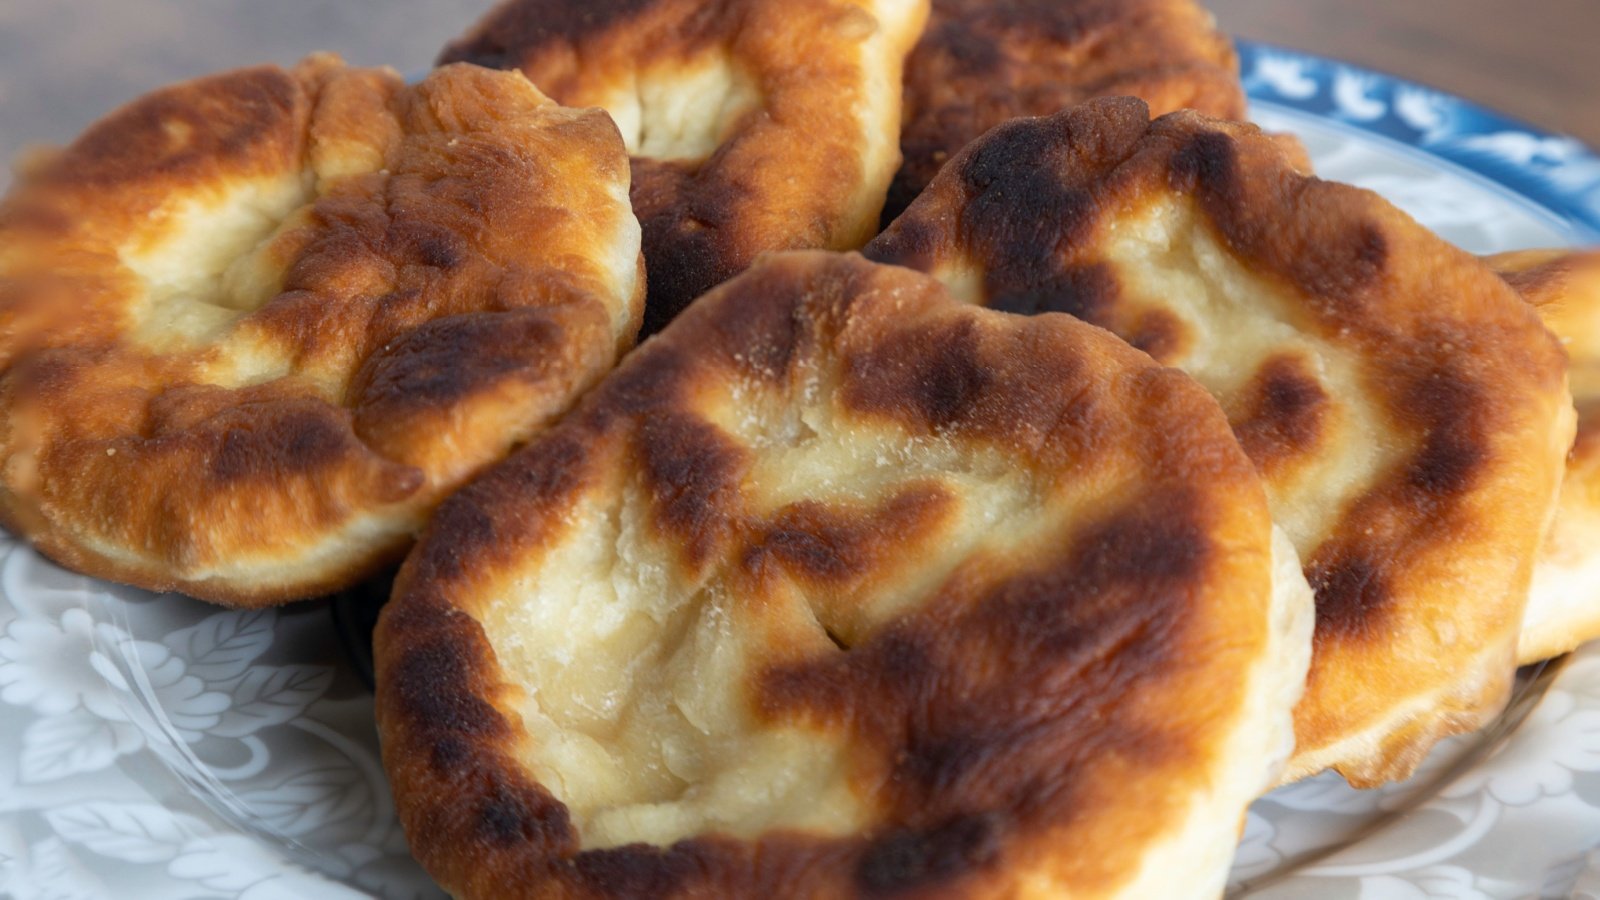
(156, 747)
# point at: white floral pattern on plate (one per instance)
(158, 747)
(212, 760)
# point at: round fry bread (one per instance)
(982, 62)
(754, 125)
(253, 327)
(838, 588)
(1408, 413)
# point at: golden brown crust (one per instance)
(1564, 610)
(1441, 498)
(794, 108)
(1564, 286)
(1032, 721)
(982, 62)
(254, 326)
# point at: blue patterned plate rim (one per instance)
(1558, 173)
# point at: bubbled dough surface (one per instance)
(229, 303)
(641, 713)
(765, 596)
(1400, 403)
(837, 570)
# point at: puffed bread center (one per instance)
(659, 759)
(637, 713)
(684, 110)
(201, 269)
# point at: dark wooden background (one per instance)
(64, 62)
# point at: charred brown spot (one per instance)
(688, 226)
(654, 379)
(447, 360)
(1084, 628)
(437, 687)
(1157, 332)
(913, 242)
(211, 122)
(761, 337)
(684, 258)
(459, 531)
(1588, 440)
(1027, 195)
(693, 470)
(1446, 406)
(1417, 502)
(1085, 292)
(904, 657)
(293, 442)
(906, 860)
(1370, 250)
(1447, 465)
(57, 372)
(551, 468)
(450, 753)
(1352, 592)
(1208, 165)
(517, 815)
(1009, 159)
(404, 301)
(466, 531)
(937, 763)
(896, 662)
(1340, 270)
(1065, 616)
(1149, 543)
(981, 63)
(819, 550)
(639, 870)
(432, 683)
(1022, 215)
(1540, 283)
(1335, 265)
(824, 544)
(948, 392)
(936, 379)
(1284, 413)
(514, 31)
(971, 51)
(436, 248)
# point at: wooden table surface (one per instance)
(1536, 59)
(64, 62)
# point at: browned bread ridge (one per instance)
(754, 125)
(982, 62)
(253, 327)
(838, 588)
(1408, 412)
(1564, 606)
